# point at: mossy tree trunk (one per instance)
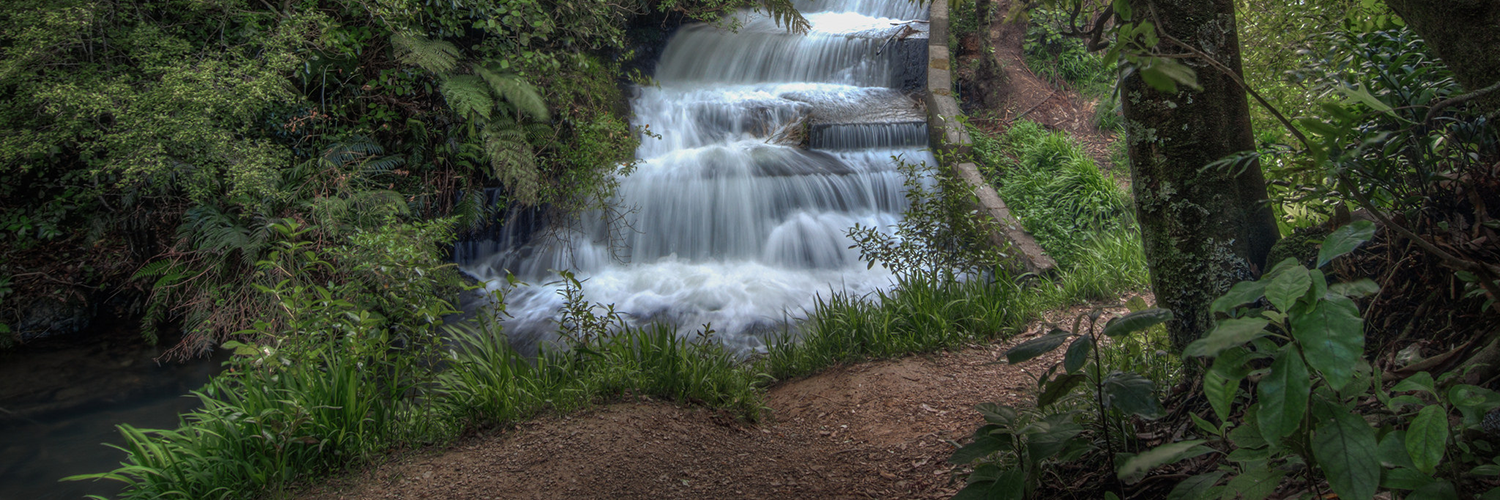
(1204, 228)
(1465, 34)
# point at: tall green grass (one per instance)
(1078, 213)
(920, 314)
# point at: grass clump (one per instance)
(1056, 190)
(921, 314)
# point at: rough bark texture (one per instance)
(1465, 34)
(1204, 229)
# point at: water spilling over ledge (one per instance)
(733, 217)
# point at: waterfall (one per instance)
(729, 221)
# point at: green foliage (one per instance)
(1054, 188)
(1301, 407)
(941, 233)
(1064, 60)
(1011, 449)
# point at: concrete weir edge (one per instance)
(951, 141)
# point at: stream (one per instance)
(62, 397)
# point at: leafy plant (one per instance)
(1010, 450)
(941, 233)
(1300, 341)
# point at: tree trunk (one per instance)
(1204, 228)
(1465, 34)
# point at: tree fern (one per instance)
(514, 89)
(513, 161)
(436, 56)
(468, 96)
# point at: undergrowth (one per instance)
(329, 383)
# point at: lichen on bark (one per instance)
(1204, 227)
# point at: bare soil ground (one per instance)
(883, 429)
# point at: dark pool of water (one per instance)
(61, 398)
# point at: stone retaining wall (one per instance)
(950, 140)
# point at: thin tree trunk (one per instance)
(1204, 228)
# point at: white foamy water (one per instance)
(727, 225)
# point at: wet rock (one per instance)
(48, 316)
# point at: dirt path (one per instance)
(875, 430)
(1034, 98)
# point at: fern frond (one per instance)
(157, 268)
(468, 95)
(350, 150)
(436, 56)
(382, 164)
(418, 129)
(514, 162)
(516, 91)
(786, 14)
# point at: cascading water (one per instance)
(730, 222)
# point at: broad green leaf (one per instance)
(1204, 425)
(1132, 394)
(1228, 334)
(1078, 354)
(1437, 490)
(1256, 484)
(1485, 470)
(1332, 337)
(1059, 387)
(1250, 456)
(1285, 265)
(1137, 321)
(1319, 127)
(1289, 286)
(1158, 79)
(1247, 435)
(1178, 72)
(1136, 467)
(1122, 8)
(1363, 287)
(1195, 488)
(982, 447)
(1222, 382)
(997, 414)
(1345, 448)
(1047, 444)
(1240, 294)
(1009, 484)
(1036, 347)
(1402, 478)
(1427, 438)
(1420, 381)
(1344, 240)
(1136, 303)
(1283, 395)
(1362, 95)
(1392, 452)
